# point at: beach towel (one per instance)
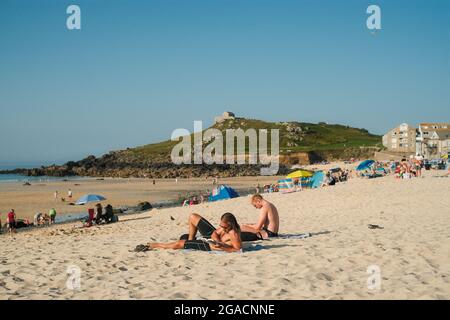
(210, 252)
(247, 248)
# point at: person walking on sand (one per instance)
(225, 238)
(52, 215)
(55, 195)
(268, 223)
(11, 220)
(69, 194)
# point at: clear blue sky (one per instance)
(139, 69)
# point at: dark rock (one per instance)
(144, 206)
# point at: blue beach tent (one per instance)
(317, 179)
(222, 193)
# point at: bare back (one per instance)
(270, 214)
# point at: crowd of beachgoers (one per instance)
(99, 215)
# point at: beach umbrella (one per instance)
(366, 164)
(300, 174)
(90, 198)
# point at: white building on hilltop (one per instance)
(227, 115)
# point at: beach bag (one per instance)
(115, 218)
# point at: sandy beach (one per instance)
(412, 251)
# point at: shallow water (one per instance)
(21, 178)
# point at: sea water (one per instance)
(21, 178)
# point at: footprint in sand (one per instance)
(324, 276)
(281, 292)
(178, 296)
(431, 263)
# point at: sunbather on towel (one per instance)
(268, 223)
(225, 238)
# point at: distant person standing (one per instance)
(69, 194)
(11, 220)
(55, 195)
(52, 214)
(154, 181)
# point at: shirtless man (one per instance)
(268, 223)
(225, 238)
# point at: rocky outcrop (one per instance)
(118, 165)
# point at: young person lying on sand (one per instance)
(225, 238)
(268, 223)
